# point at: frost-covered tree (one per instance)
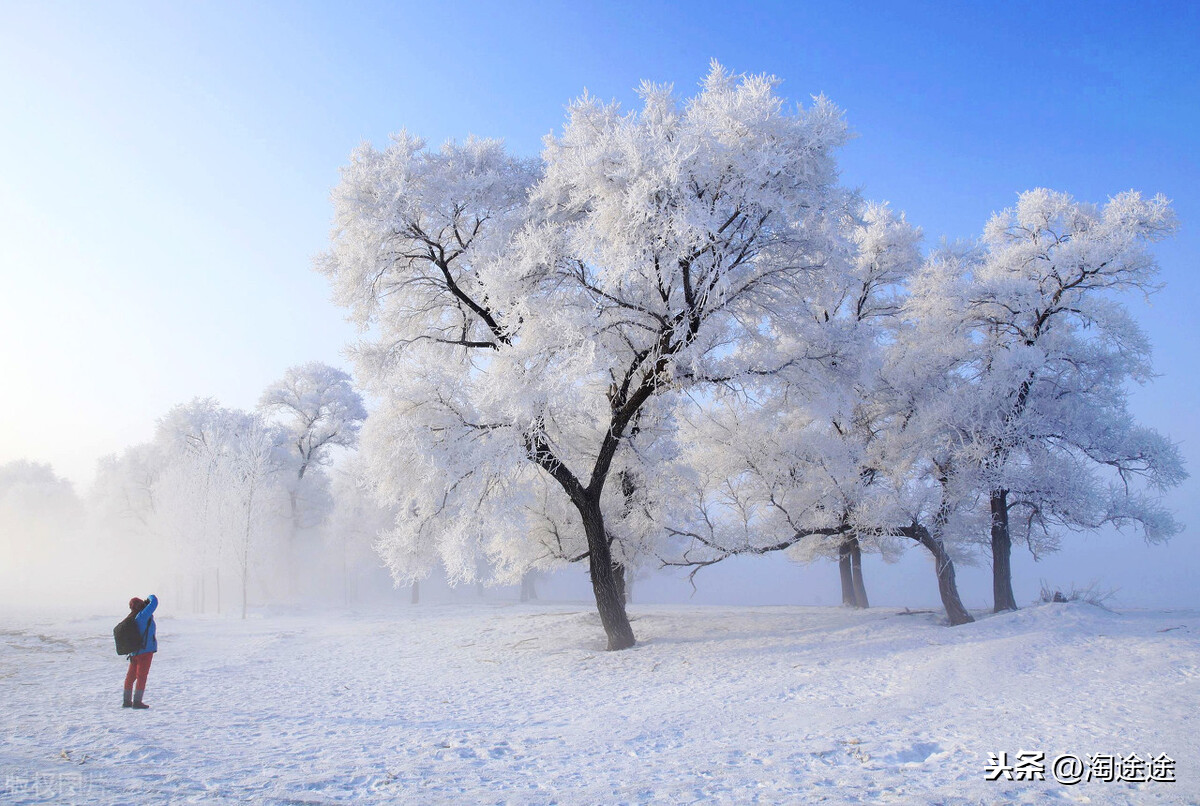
(834, 459)
(251, 471)
(201, 499)
(917, 447)
(321, 410)
(158, 502)
(193, 440)
(132, 503)
(538, 325)
(1046, 426)
(227, 465)
(863, 312)
(124, 490)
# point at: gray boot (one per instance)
(137, 699)
(128, 700)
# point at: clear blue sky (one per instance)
(165, 168)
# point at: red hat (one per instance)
(136, 603)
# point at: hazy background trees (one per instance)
(212, 508)
(41, 530)
(319, 411)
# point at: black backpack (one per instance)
(128, 636)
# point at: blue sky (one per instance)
(165, 168)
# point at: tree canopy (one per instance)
(676, 332)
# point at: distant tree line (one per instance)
(221, 498)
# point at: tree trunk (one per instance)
(944, 566)
(1002, 592)
(416, 592)
(860, 589)
(294, 513)
(619, 581)
(854, 590)
(528, 588)
(291, 562)
(345, 576)
(610, 601)
(246, 548)
(848, 598)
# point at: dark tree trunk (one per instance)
(608, 590)
(860, 589)
(1002, 592)
(854, 591)
(610, 597)
(416, 592)
(944, 566)
(847, 574)
(628, 489)
(619, 581)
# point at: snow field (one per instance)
(520, 704)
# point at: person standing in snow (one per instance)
(139, 662)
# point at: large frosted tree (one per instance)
(788, 460)
(834, 455)
(536, 325)
(1051, 350)
(320, 411)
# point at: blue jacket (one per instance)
(145, 622)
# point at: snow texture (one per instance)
(520, 704)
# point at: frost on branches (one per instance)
(826, 458)
(538, 325)
(1045, 433)
(319, 410)
(200, 499)
(675, 337)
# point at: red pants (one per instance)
(139, 667)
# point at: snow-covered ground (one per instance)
(519, 704)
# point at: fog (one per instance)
(60, 555)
